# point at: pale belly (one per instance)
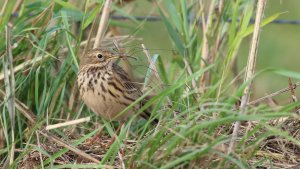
(105, 106)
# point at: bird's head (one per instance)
(99, 57)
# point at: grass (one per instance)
(196, 91)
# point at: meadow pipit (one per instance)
(105, 87)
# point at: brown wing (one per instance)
(132, 90)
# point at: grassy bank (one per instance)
(194, 80)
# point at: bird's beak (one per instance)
(121, 56)
(115, 57)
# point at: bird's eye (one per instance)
(100, 56)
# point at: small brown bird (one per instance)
(105, 87)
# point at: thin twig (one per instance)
(68, 123)
(250, 70)
(273, 94)
(103, 23)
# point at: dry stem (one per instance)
(206, 56)
(103, 23)
(68, 123)
(250, 69)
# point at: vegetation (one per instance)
(195, 87)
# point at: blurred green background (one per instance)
(279, 44)
(279, 48)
